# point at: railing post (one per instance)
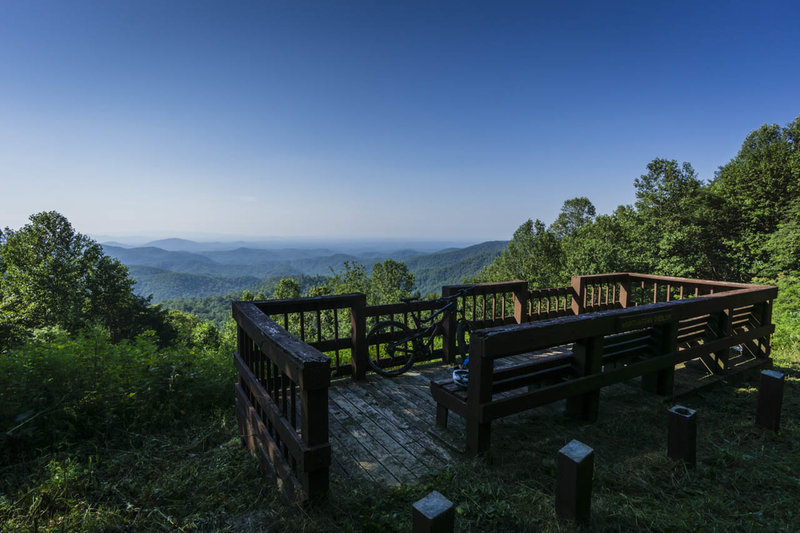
(578, 295)
(625, 292)
(587, 359)
(449, 330)
(315, 433)
(661, 382)
(359, 353)
(521, 303)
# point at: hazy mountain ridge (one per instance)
(169, 274)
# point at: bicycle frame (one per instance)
(426, 336)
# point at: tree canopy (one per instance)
(744, 223)
(51, 275)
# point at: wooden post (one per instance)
(433, 514)
(521, 304)
(625, 293)
(662, 381)
(587, 359)
(359, 335)
(578, 295)
(449, 331)
(574, 485)
(314, 432)
(682, 434)
(479, 391)
(770, 399)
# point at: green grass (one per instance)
(173, 461)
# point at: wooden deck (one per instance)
(383, 430)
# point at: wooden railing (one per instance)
(281, 401)
(615, 345)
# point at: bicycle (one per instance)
(394, 347)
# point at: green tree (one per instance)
(761, 186)
(681, 223)
(353, 278)
(608, 244)
(575, 214)
(533, 254)
(286, 288)
(55, 276)
(389, 281)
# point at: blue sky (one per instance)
(420, 120)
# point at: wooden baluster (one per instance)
(302, 326)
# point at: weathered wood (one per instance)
(574, 486)
(309, 303)
(682, 435)
(433, 514)
(587, 359)
(302, 363)
(479, 392)
(522, 402)
(357, 444)
(505, 340)
(662, 380)
(578, 295)
(258, 440)
(770, 399)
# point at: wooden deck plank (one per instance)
(421, 418)
(385, 432)
(404, 432)
(386, 452)
(358, 445)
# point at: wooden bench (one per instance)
(508, 379)
(607, 347)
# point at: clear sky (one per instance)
(422, 120)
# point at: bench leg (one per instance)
(478, 436)
(441, 415)
(584, 407)
(660, 382)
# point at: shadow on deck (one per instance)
(383, 430)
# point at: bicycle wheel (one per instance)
(391, 348)
(463, 330)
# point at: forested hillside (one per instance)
(181, 274)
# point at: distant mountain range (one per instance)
(178, 268)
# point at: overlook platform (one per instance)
(311, 410)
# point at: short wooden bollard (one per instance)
(574, 485)
(770, 399)
(433, 514)
(682, 436)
